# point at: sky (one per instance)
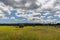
(29, 11)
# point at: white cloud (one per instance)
(1, 11)
(1, 14)
(43, 16)
(57, 15)
(12, 18)
(49, 17)
(50, 6)
(4, 10)
(46, 14)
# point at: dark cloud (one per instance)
(21, 4)
(51, 6)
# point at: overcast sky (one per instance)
(29, 11)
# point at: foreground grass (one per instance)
(29, 33)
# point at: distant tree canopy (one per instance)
(21, 25)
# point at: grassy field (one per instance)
(29, 33)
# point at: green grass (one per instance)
(29, 33)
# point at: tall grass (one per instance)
(29, 33)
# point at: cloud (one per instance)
(49, 17)
(22, 4)
(29, 16)
(44, 5)
(57, 15)
(23, 7)
(51, 6)
(45, 14)
(4, 8)
(13, 18)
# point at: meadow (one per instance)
(29, 33)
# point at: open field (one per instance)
(29, 33)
